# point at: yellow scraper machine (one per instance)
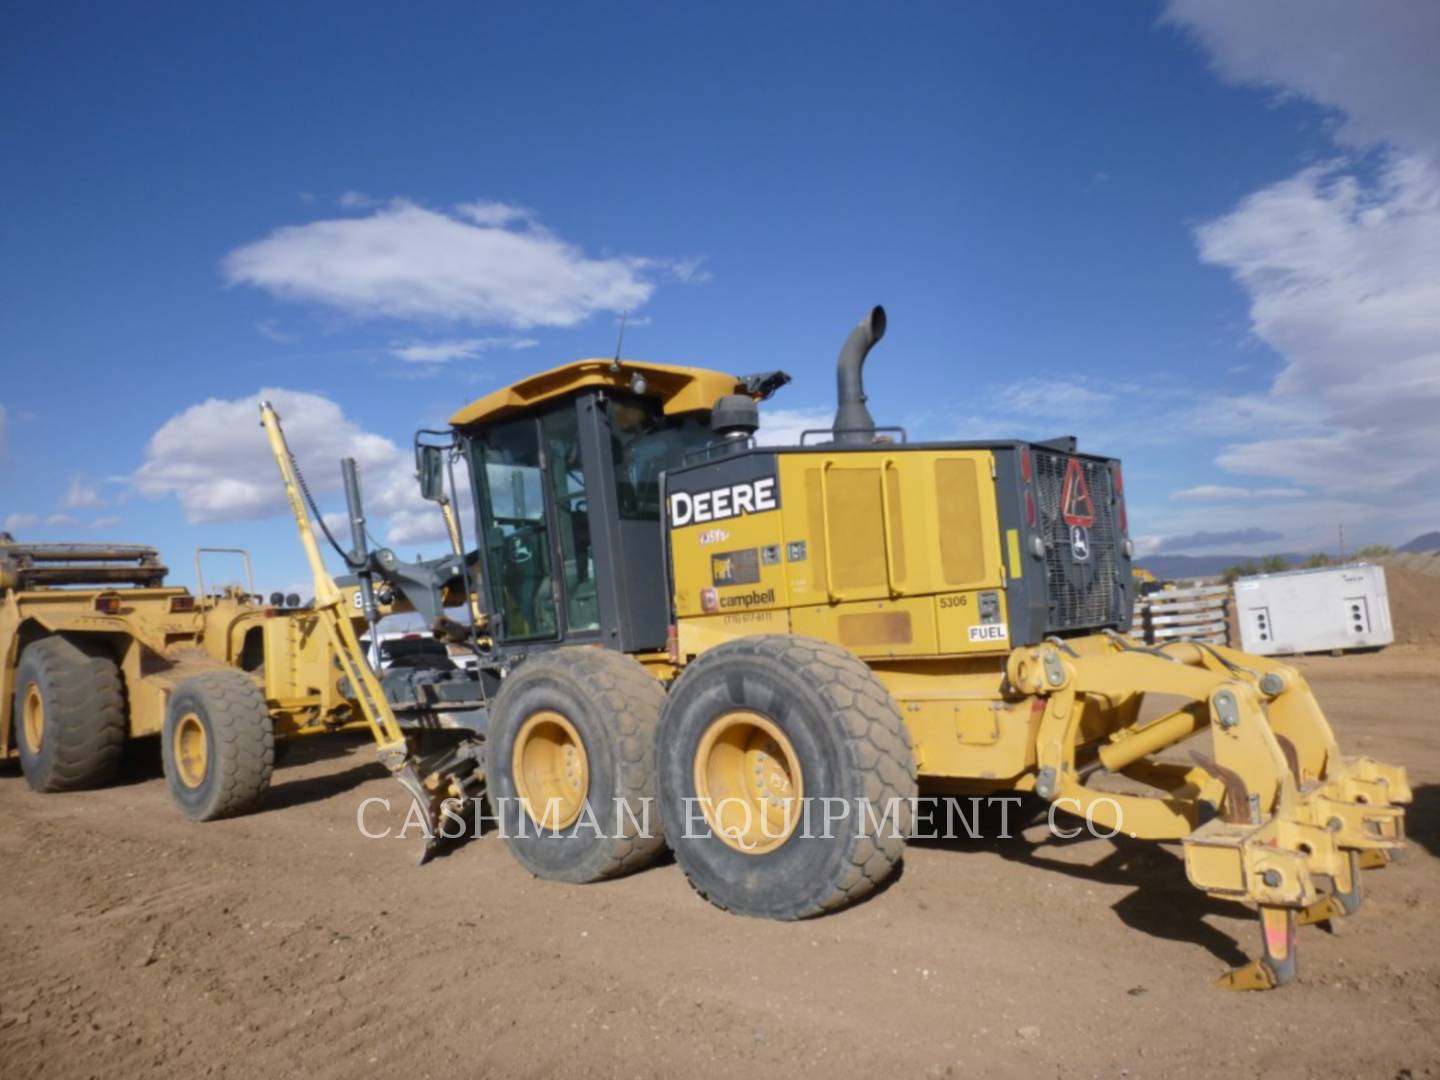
(761, 655)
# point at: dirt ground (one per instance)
(284, 943)
(1414, 598)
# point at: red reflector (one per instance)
(107, 605)
(1025, 472)
(1030, 509)
(181, 603)
(1075, 505)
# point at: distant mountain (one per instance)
(1429, 542)
(1176, 567)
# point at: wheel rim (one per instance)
(34, 718)
(192, 750)
(749, 782)
(551, 770)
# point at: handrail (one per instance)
(830, 593)
(891, 578)
(200, 575)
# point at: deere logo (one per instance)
(693, 508)
(1079, 542)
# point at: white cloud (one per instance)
(1051, 397)
(782, 427)
(1375, 62)
(109, 521)
(1341, 262)
(488, 263)
(357, 200)
(440, 352)
(1344, 282)
(1220, 492)
(81, 496)
(61, 521)
(494, 214)
(269, 328)
(215, 460)
(4, 433)
(691, 271)
(19, 522)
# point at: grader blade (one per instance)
(442, 785)
(426, 804)
(1270, 814)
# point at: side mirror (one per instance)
(431, 470)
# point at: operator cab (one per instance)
(568, 469)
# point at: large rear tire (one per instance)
(69, 715)
(766, 741)
(218, 745)
(571, 752)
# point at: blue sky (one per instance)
(1200, 236)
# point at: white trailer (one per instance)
(1334, 607)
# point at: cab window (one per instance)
(644, 442)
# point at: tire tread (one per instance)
(631, 700)
(244, 749)
(876, 739)
(85, 715)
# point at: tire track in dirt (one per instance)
(283, 943)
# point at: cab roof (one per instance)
(678, 389)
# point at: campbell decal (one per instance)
(753, 598)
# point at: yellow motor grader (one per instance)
(96, 650)
(779, 647)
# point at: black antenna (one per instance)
(620, 340)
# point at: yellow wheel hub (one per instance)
(551, 771)
(192, 750)
(34, 718)
(748, 780)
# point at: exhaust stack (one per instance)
(853, 422)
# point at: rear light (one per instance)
(107, 604)
(1030, 517)
(181, 604)
(1117, 479)
(1025, 470)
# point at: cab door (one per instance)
(516, 531)
(536, 524)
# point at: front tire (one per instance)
(764, 741)
(218, 745)
(571, 764)
(69, 716)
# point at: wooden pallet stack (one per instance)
(1190, 613)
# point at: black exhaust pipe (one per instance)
(853, 422)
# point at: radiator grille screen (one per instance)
(1082, 593)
